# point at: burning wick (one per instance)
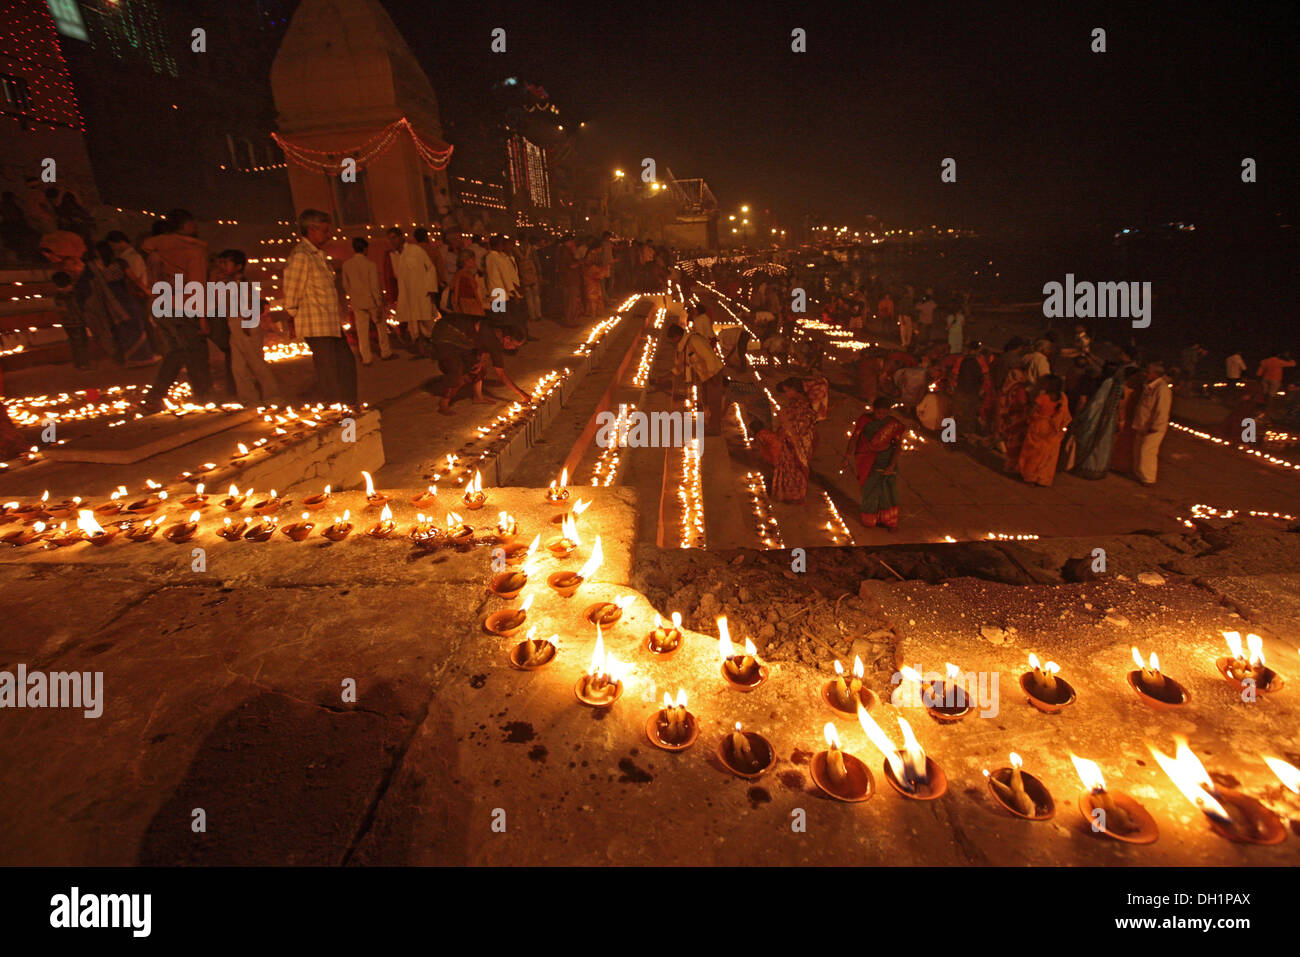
(427, 497)
(95, 533)
(183, 531)
(1153, 682)
(909, 765)
(516, 618)
(739, 669)
(834, 756)
(1043, 677)
(372, 497)
(340, 529)
(742, 755)
(847, 693)
(561, 492)
(474, 497)
(600, 684)
(538, 651)
(507, 527)
(384, 527)
(1013, 793)
(1117, 819)
(234, 499)
(672, 718)
(300, 530)
(1242, 667)
(666, 639)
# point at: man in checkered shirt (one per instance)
(312, 299)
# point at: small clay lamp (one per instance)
(147, 505)
(68, 508)
(601, 686)
(35, 532)
(241, 452)
(566, 583)
(909, 771)
(559, 492)
(340, 529)
(270, 505)
(232, 532)
(1020, 793)
(373, 499)
(64, 536)
(672, 727)
(840, 775)
(746, 754)
(385, 526)
(567, 542)
(507, 621)
(34, 511)
(263, 530)
(1112, 813)
(143, 531)
(946, 701)
(576, 509)
(113, 506)
(665, 641)
(458, 533)
(182, 531)
(9, 513)
(843, 694)
(235, 499)
(426, 498)
(424, 533)
(508, 584)
(95, 533)
(516, 553)
(1155, 689)
(1246, 669)
(507, 527)
(1047, 692)
(474, 498)
(533, 653)
(318, 500)
(744, 672)
(197, 500)
(1229, 813)
(607, 613)
(301, 529)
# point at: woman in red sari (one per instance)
(796, 430)
(465, 294)
(1012, 418)
(876, 442)
(1048, 417)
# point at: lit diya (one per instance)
(1020, 793)
(458, 533)
(65, 509)
(566, 583)
(663, 640)
(144, 531)
(232, 532)
(607, 613)
(426, 498)
(340, 529)
(299, 530)
(197, 500)
(840, 775)
(909, 771)
(9, 513)
(508, 620)
(147, 505)
(1156, 689)
(424, 533)
(569, 539)
(270, 505)
(113, 505)
(474, 498)
(263, 530)
(318, 500)
(385, 526)
(1230, 813)
(241, 452)
(1047, 692)
(746, 754)
(235, 499)
(1112, 813)
(1245, 668)
(508, 584)
(373, 499)
(945, 701)
(744, 672)
(533, 653)
(33, 510)
(845, 695)
(182, 531)
(95, 533)
(559, 492)
(602, 685)
(672, 727)
(64, 536)
(507, 527)
(574, 511)
(516, 553)
(35, 532)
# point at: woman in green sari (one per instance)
(876, 442)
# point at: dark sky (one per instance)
(1044, 131)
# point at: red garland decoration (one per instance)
(367, 152)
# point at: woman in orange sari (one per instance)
(1048, 417)
(594, 274)
(466, 296)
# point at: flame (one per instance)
(243, 449)
(915, 753)
(681, 697)
(624, 602)
(433, 490)
(677, 620)
(527, 603)
(453, 521)
(45, 496)
(1189, 775)
(194, 518)
(234, 491)
(306, 516)
(579, 507)
(198, 489)
(832, 738)
(162, 496)
(953, 671)
(1255, 644)
(881, 741)
(1089, 774)
(659, 622)
(370, 484)
(1288, 774)
(593, 563)
(327, 490)
(1015, 760)
(839, 669)
(477, 484)
(534, 544)
(668, 701)
(564, 478)
(598, 656)
(87, 523)
(346, 514)
(386, 515)
(1050, 667)
(569, 529)
(750, 650)
(911, 674)
(725, 648)
(858, 670)
(274, 495)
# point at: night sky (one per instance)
(1044, 131)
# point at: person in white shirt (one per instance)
(501, 274)
(361, 284)
(1235, 366)
(1151, 421)
(416, 279)
(1037, 363)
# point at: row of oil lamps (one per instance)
(908, 769)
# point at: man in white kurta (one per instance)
(1151, 422)
(416, 279)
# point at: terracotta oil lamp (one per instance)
(507, 621)
(844, 694)
(424, 533)
(838, 774)
(1020, 793)
(664, 640)
(507, 527)
(1047, 691)
(36, 532)
(1229, 813)
(602, 685)
(318, 500)
(458, 533)
(143, 531)
(373, 499)
(426, 498)
(746, 754)
(340, 529)
(744, 672)
(909, 770)
(269, 505)
(533, 653)
(147, 505)
(1154, 688)
(198, 500)
(235, 499)
(113, 506)
(263, 530)
(607, 613)
(301, 529)
(559, 492)
(182, 531)
(474, 498)
(95, 533)
(385, 526)
(1245, 668)
(565, 583)
(1112, 813)
(672, 727)
(232, 532)
(567, 542)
